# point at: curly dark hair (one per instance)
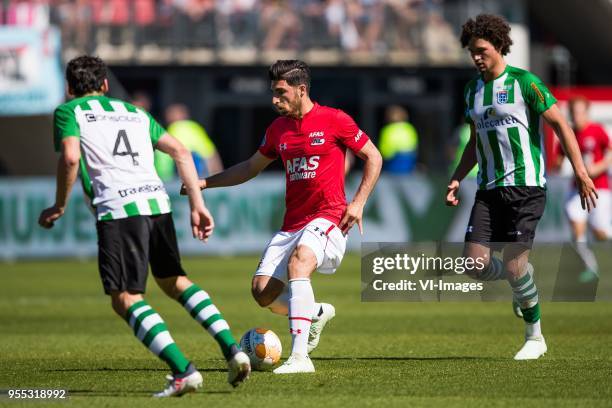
(295, 72)
(494, 29)
(85, 74)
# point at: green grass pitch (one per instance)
(57, 330)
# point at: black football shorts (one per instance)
(506, 215)
(127, 246)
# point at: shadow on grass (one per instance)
(450, 358)
(163, 370)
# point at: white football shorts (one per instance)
(322, 236)
(600, 217)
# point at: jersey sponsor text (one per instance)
(301, 168)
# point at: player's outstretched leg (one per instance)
(151, 330)
(197, 302)
(526, 294)
(266, 288)
(301, 303)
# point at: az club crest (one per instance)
(317, 141)
(502, 96)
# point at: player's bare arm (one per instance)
(588, 194)
(602, 166)
(237, 174)
(466, 164)
(67, 171)
(202, 223)
(371, 170)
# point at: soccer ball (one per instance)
(263, 348)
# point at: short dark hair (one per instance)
(85, 74)
(295, 72)
(579, 99)
(489, 27)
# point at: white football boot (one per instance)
(179, 385)
(296, 363)
(238, 368)
(314, 334)
(533, 349)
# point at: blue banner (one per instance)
(31, 81)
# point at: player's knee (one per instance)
(301, 263)
(122, 301)
(515, 270)
(475, 270)
(174, 286)
(478, 264)
(266, 289)
(600, 235)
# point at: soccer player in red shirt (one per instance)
(596, 148)
(311, 140)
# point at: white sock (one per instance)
(586, 255)
(280, 305)
(533, 330)
(301, 304)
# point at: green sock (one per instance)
(526, 293)
(532, 314)
(198, 304)
(151, 330)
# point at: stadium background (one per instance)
(212, 55)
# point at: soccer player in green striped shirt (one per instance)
(112, 143)
(505, 107)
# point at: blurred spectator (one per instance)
(194, 137)
(195, 23)
(29, 13)
(596, 148)
(370, 23)
(279, 24)
(398, 141)
(362, 24)
(403, 23)
(315, 32)
(74, 17)
(142, 100)
(114, 34)
(339, 25)
(237, 23)
(150, 30)
(144, 17)
(439, 41)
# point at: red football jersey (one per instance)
(594, 143)
(312, 150)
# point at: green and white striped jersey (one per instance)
(117, 141)
(506, 114)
